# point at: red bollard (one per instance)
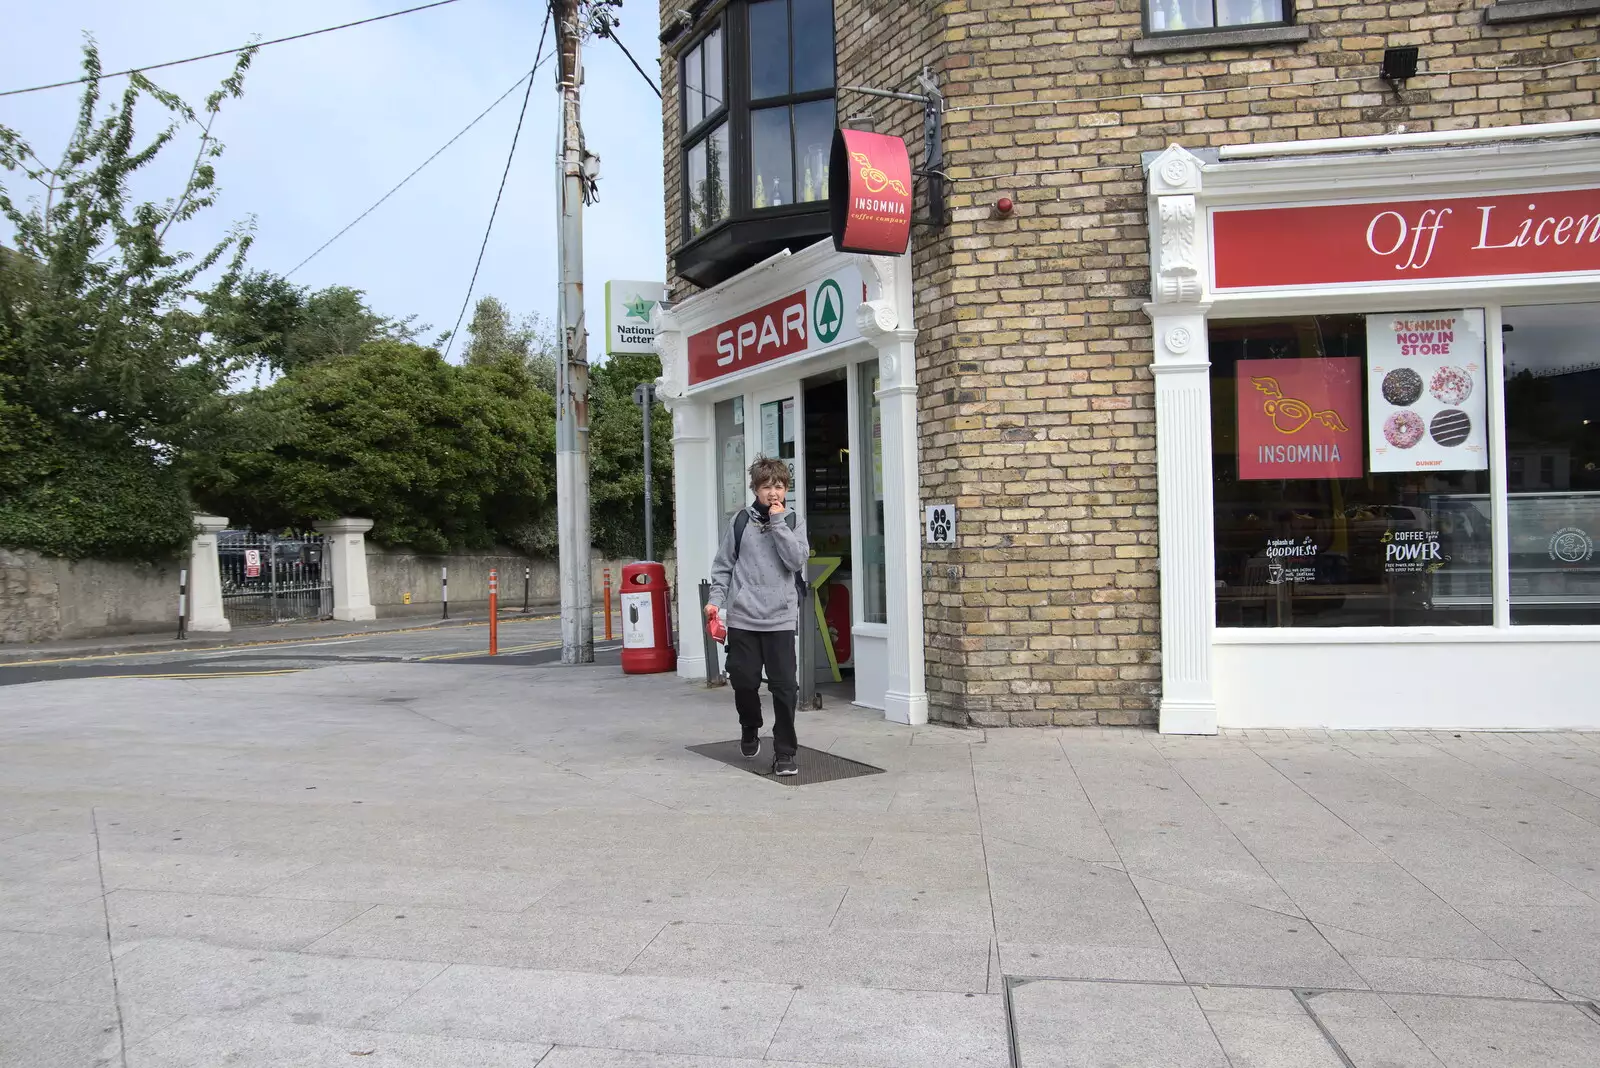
(494, 613)
(607, 573)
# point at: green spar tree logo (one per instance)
(826, 317)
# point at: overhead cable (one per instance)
(526, 77)
(515, 136)
(230, 51)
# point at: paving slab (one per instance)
(169, 976)
(206, 1042)
(1112, 1025)
(706, 1017)
(892, 1029)
(896, 960)
(469, 936)
(224, 920)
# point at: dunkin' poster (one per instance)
(1427, 398)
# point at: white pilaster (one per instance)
(695, 482)
(886, 320)
(1182, 370)
(346, 553)
(205, 576)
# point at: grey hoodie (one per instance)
(759, 587)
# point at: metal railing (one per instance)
(269, 578)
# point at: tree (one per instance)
(262, 318)
(439, 456)
(493, 336)
(616, 458)
(105, 378)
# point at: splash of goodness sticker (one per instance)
(1426, 393)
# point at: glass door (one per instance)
(773, 428)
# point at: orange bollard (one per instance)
(608, 603)
(494, 613)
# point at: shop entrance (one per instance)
(824, 489)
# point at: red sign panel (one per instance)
(1459, 237)
(869, 193)
(758, 336)
(1300, 418)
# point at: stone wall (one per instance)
(1037, 403)
(391, 574)
(44, 598)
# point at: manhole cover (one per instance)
(815, 765)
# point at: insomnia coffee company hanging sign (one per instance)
(1299, 418)
(1426, 393)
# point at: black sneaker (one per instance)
(750, 747)
(785, 766)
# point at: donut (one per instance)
(1450, 385)
(1403, 429)
(1402, 387)
(1450, 427)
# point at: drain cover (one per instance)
(815, 765)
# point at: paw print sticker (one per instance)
(941, 525)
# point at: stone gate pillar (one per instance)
(205, 576)
(346, 552)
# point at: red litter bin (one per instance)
(646, 620)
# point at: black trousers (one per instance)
(748, 652)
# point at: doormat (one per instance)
(815, 765)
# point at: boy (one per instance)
(754, 573)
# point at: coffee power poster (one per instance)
(1299, 418)
(1427, 397)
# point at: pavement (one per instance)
(496, 863)
(305, 630)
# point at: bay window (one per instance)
(758, 117)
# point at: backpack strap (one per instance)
(742, 520)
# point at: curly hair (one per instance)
(769, 472)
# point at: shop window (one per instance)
(775, 111)
(1189, 16)
(705, 133)
(1350, 459)
(1552, 395)
(874, 590)
(733, 491)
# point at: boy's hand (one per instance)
(774, 510)
(711, 611)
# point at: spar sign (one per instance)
(819, 316)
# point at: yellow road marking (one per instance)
(203, 674)
(272, 641)
(507, 651)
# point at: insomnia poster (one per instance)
(1426, 391)
(1299, 418)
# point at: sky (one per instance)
(329, 124)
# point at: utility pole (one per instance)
(644, 395)
(572, 370)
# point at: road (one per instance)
(528, 642)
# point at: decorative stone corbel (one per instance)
(1178, 260)
(673, 348)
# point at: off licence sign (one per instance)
(1390, 241)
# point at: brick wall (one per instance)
(1033, 355)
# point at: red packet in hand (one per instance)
(716, 628)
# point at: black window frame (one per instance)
(701, 132)
(734, 22)
(1194, 31)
